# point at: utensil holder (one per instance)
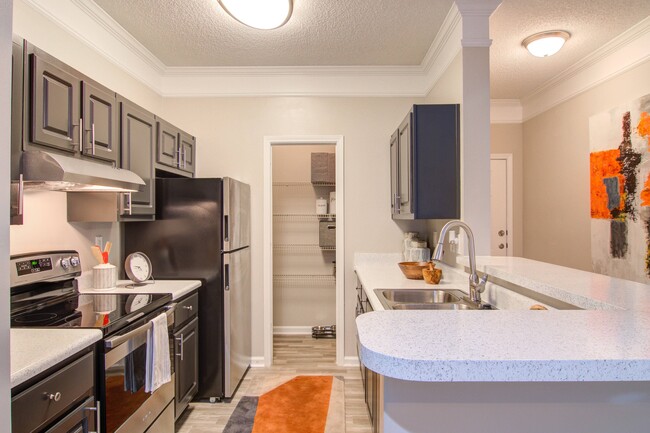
(104, 277)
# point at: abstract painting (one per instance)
(619, 163)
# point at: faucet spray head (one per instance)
(438, 252)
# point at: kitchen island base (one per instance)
(531, 407)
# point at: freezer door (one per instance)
(237, 315)
(236, 214)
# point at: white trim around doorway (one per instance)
(510, 197)
(269, 141)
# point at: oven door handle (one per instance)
(119, 339)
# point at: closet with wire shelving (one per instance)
(304, 245)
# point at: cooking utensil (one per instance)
(413, 270)
(107, 248)
(97, 253)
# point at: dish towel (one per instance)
(158, 363)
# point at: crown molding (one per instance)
(443, 50)
(621, 54)
(506, 111)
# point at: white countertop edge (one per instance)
(35, 350)
(506, 371)
(177, 288)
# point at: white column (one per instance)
(6, 14)
(475, 118)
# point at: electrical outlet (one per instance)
(99, 241)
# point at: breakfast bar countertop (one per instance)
(610, 342)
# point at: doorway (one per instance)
(501, 197)
(294, 260)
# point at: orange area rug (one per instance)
(302, 404)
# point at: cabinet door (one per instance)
(54, 106)
(168, 148)
(100, 138)
(188, 152)
(405, 166)
(187, 365)
(394, 173)
(138, 137)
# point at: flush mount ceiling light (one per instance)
(259, 14)
(546, 44)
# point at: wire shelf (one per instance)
(304, 216)
(305, 277)
(301, 247)
(304, 184)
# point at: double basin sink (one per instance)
(427, 299)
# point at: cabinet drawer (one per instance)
(186, 309)
(34, 407)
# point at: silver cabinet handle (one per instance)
(21, 190)
(178, 156)
(331, 227)
(183, 156)
(126, 205)
(92, 137)
(180, 340)
(81, 133)
(98, 417)
(53, 397)
(187, 307)
(398, 203)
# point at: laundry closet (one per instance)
(304, 240)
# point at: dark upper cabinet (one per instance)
(175, 150)
(138, 140)
(100, 138)
(69, 113)
(54, 96)
(425, 164)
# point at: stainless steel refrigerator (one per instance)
(202, 231)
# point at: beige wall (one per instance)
(230, 134)
(556, 171)
(508, 139)
(306, 302)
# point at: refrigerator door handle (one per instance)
(226, 277)
(226, 229)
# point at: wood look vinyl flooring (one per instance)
(292, 355)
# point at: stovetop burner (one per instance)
(35, 319)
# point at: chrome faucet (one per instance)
(476, 284)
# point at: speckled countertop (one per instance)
(35, 350)
(509, 345)
(178, 288)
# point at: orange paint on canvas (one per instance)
(645, 193)
(603, 164)
(643, 128)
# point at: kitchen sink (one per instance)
(427, 299)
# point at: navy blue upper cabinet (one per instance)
(425, 164)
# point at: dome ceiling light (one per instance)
(546, 44)
(259, 14)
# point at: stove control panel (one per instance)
(44, 266)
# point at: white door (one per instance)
(499, 205)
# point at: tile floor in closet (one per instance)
(291, 355)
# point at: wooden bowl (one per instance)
(413, 270)
(432, 276)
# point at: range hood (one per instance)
(53, 172)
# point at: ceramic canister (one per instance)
(104, 277)
(321, 206)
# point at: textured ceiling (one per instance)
(592, 23)
(320, 32)
(373, 33)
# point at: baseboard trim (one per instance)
(257, 361)
(351, 361)
(292, 330)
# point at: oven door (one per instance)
(127, 407)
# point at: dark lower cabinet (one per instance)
(60, 400)
(186, 352)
